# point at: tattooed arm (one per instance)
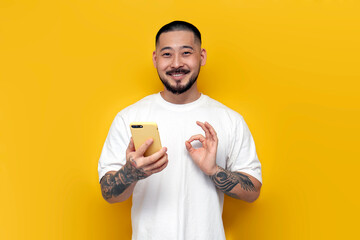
(118, 186)
(235, 184)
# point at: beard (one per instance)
(179, 89)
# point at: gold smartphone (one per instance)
(142, 131)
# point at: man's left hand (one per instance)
(204, 157)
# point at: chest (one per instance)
(177, 127)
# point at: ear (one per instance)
(154, 58)
(203, 56)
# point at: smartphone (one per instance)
(142, 131)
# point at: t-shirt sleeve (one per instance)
(113, 155)
(242, 156)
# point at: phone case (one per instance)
(141, 131)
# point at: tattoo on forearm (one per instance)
(226, 181)
(112, 185)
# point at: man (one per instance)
(178, 191)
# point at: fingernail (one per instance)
(149, 141)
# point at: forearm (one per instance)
(118, 186)
(236, 184)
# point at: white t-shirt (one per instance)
(181, 202)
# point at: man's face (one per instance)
(177, 58)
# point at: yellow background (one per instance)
(291, 68)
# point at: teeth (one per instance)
(177, 75)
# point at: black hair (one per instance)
(179, 26)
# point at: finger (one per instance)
(131, 147)
(202, 125)
(188, 146)
(142, 149)
(212, 131)
(198, 137)
(157, 164)
(156, 170)
(154, 157)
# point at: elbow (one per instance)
(112, 199)
(254, 196)
(107, 196)
(109, 200)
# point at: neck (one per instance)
(189, 96)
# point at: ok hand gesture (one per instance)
(204, 157)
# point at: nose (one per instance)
(177, 61)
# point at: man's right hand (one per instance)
(142, 167)
(118, 186)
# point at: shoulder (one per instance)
(223, 110)
(140, 105)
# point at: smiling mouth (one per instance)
(177, 72)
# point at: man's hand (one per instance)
(142, 167)
(118, 186)
(204, 157)
(235, 184)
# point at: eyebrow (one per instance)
(170, 48)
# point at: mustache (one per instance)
(177, 71)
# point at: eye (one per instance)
(166, 55)
(186, 53)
